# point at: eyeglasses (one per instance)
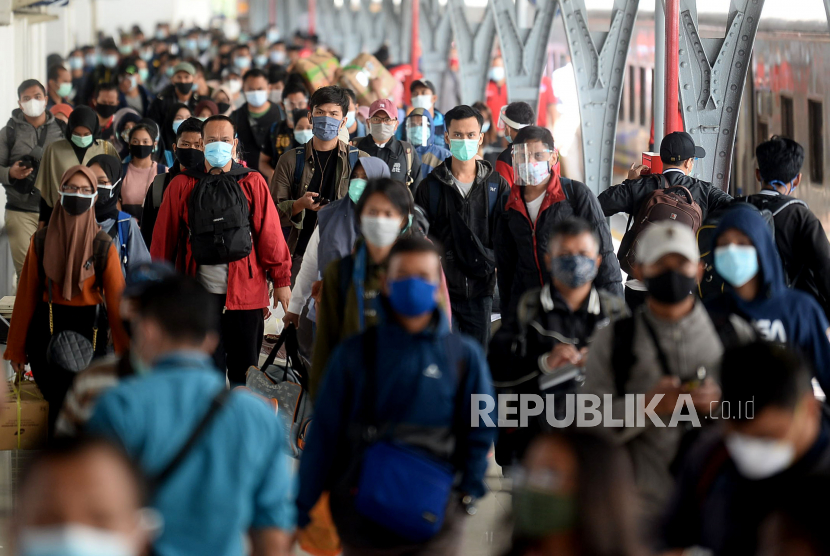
(378, 120)
(73, 189)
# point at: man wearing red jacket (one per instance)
(240, 286)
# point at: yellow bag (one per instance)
(320, 536)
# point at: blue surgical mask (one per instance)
(169, 71)
(147, 55)
(256, 98)
(416, 136)
(218, 153)
(486, 127)
(110, 60)
(303, 136)
(91, 59)
(464, 149)
(74, 540)
(574, 270)
(191, 44)
(325, 128)
(277, 57)
(356, 188)
(737, 264)
(350, 118)
(260, 60)
(143, 73)
(76, 62)
(412, 297)
(204, 43)
(82, 142)
(242, 62)
(176, 124)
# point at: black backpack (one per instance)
(219, 216)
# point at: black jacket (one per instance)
(161, 106)
(251, 139)
(474, 210)
(521, 246)
(802, 244)
(394, 154)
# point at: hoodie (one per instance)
(778, 313)
(431, 154)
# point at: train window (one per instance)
(816, 124)
(787, 118)
(643, 89)
(632, 93)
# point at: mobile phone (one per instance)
(691, 384)
(323, 201)
(25, 163)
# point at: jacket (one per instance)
(778, 313)
(504, 165)
(395, 156)
(164, 101)
(474, 210)
(57, 159)
(802, 245)
(31, 290)
(284, 191)
(423, 405)
(137, 252)
(251, 144)
(269, 257)
(146, 100)
(521, 245)
(432, 155)
(25, 138)
(688, 344)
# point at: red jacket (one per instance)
(247, 287)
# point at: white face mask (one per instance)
(380, 231)
(759, 458)
(422, 101)
(74, 540)
(33, 108)
(275, 96)
(382, 132)
(234, 86)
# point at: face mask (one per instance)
(218, 154)
(141, 151)
(275, 96)
(508, 138)
(106, 110)
(190, 158)
(538, 513)
(325, 128)
(382, 132)
(65, 90)
(191, 44)
(184, 88)
(416, 136)
(350, 118)
(110, 61)
(464, 149)
(74, 540)
(126, 49)
(496, 73)
(234, 86)
(77, 203)
(303, 136)
(486, 127)
(412, 297)
(574, 270)
(106, 202)
(670, 287)
(242, 62)
(380, 231)
(356, 188)
(223, 107)
(147, 55)
(143, 73)
(82, 142)
(33, 108)
(261, 60)
(204, 43)
(169, 71)
(76, 63)
(532, 173)
(278, 57)
(256, 98)
(737, 264)
(91, 59)
(161, 35)
(422, 101)
(759, 458)
(133, 82)
(176, 124)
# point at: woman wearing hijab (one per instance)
(205, 109)
(122, 122)
(65, 287)
(83, 141)
(178, 113)
(224, 100)
(121, 227)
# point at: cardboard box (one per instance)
(318, 70)
(364, 69)
(652, 160)
(34, 417)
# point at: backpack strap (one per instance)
(123, 225)
(299, 166)
(158, 189)
(354, 156)
(493, 184)
(622, 355)
(160, 168)
(408, 149)
(791, 202)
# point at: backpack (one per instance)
(158, 190)
(121, 231)
(299, 166)
(219, 217)
(664, 203)
(100, 254)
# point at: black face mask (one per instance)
(106, 204)
(106, 110)
(190, 158)
(75, 205)
(141, 151)
(184, 88)
(223, 107)
(670, 287)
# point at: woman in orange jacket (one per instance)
(80, 283)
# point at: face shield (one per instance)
(417, 131)
(531, 163)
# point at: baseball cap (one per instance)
(145, 275)
(422, 83)
(679, 146)
(384, 105)
(665, 238)
(186, 67)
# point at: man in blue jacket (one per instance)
(747, 260)
(420, 129)
(418, 367)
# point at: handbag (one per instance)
(287, 385)
(70, 350)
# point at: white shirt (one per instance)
(309, 273)
(534, 206)
(214, 277)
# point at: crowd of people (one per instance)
(165, 195)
